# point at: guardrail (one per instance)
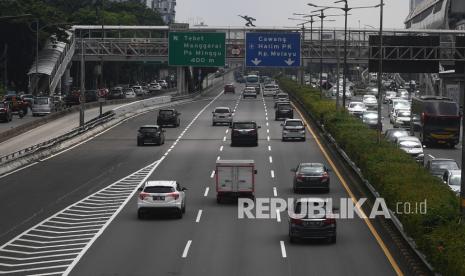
(395, 221)
(86, 127)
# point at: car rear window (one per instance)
(403, 114)
(284, 106)
(166, 112)
(222, 110)
(311, 169)
(41, 101)
(244, 125)
(148, 129)
(445, 165)
(294, 123)
(298, 209)
(159, 189)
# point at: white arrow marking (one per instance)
(256, 61)
(289, 61)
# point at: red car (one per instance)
(17, 103)
(229, 88)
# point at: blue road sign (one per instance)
(272, 50)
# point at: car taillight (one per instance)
(173, 195)
(329, 221)
(253, 131)
(143, 195)
(296, 221)
(424, 116)
(325, 175)
(300, 176)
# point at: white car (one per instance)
(370, 102)
(129, 93)
(161, 195)
(389, 95)
(154, 87)
(401, 118)
(412, 145)
(293, 129)
(249, 92)
(356, 109)
(398, 103)
(270, 90)
(138, 90)
(163, 83)
(452, 179)
(222, 115)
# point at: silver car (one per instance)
(412, 145)
(293, 129)
(222, 115)
(161, 195)
(42, 106)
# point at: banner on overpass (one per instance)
(196, 49)
(272, 49)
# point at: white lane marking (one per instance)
(269, 148)
(212, 174)
(218, 158)
(267, 130)
(224, 139)
(199, 214)
(186, 249)
(227, 131)
(275, 191)
(221, 148)
(271, 159)
(266, 118)
(267, 124)
(278, 215)
(206, 191)
(272, 174)
(268, 138)
(283, 249)
(17, 170)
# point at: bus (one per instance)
(436, 120)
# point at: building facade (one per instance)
(166, 8)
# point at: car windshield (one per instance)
(244, 125)
(403, 114)
(159, 189)
(282, 96)
(318, 212)
(294, 123)
(410, 144)
(222, 110)
(311, 169)
(166, 112)
(148, 130)
(356, 105)
(41, 101)
(401, 105)
(444, 165)
(284, 106)
(455, 180)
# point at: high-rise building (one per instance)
(166, 8)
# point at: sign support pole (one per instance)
(462, 179)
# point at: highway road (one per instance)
(208, 240)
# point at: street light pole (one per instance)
(322, 17)
(344, 70)
(380, 71)
(82, 89)
(36, 86)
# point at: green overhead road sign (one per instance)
(197, 49)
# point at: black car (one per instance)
(311, 176)
(152, 134)
(116, 93)
(6, 114)
(306, 223)
(91, 96)
(168, 117)
(284, 111)
(244, 133)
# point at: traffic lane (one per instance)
(66, 178)
(189, 162)
(355, 244)
(4, 126)
(232, 246)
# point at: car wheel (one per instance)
(332, 239)
(140, 214)
(283, 139)
(304, 139)
(184, 208)
(213, 124)
(219, 199)
(327, 190)
(179, 214)
(256, 144)
(292, 239)
(139, 143)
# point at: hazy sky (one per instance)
(276, 12)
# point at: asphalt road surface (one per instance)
(210, 239)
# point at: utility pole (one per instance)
(82, 97)
(5, 60)
(322, 17)
(462, 178)
(337, 72)
(380, 71)
(302, 72)
(344, 70)
(36, 80)
(102, 16)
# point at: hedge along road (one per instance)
(210, 239)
